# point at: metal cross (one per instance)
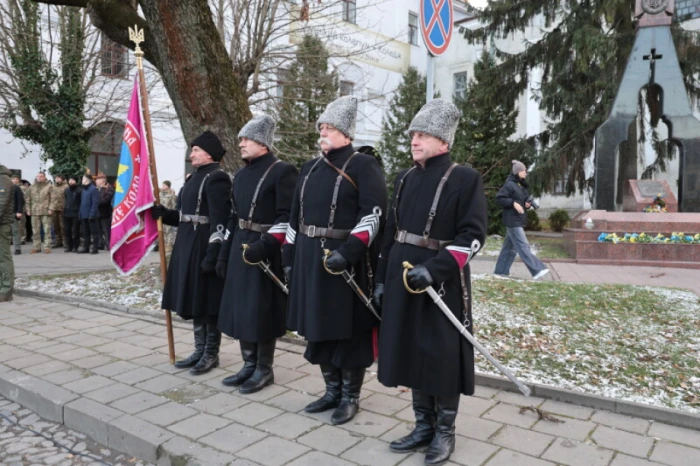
(652, 57)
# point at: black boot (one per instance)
(443, 444)
(200, 338)
(263, 375)
(350, 399)
(423, 433)
(249, 353)
(210, 359)
(93, 250)
(331, 398)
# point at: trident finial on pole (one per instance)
(136, 36)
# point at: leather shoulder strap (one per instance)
(303, 189)
(398, 195)
(341, 171)
(433, 208)
(257, 189)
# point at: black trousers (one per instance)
(356, 352)
(90, 229)
(72, 237)
(105, 231)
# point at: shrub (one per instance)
(559, 219)
(533, 221)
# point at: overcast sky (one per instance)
(478, 3)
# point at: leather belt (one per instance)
(313, 231)
(404, 237)
(198, 219)
(248, 225)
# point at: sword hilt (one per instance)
(245, 248)
(326, 254)
(406, 267)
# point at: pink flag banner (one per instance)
(134, 232)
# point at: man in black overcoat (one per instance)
(192, 288)
(253, 308)
(438, 226)
(338, 205)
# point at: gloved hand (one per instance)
(208, 264)
(419, 278)
(221, 268)
(336, 262)
(256, 252)
(288, 274)
(158, 211)
(378, 296)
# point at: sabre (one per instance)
(265, 266)
(462, 329)
(353, 284)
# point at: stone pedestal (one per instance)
(639, 194)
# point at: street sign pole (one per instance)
(430, 78)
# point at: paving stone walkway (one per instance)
(27, 439)
(107, 375)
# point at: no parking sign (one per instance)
(436, 18)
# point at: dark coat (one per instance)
(89, 202)
(188, 291)
(106, 197)
(514, 190)
(253, 307)
(71, 207)
(19, 199)
(322, 307)
(418, 346)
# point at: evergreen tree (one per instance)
(51, 100)
(308, 87)
(484, 136)
(395, 143)
(583, 52)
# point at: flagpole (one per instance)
(137, 37)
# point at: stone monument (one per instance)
(653, 45)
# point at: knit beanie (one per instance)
(210, 143)
(260, 129)
(518, 167)
(341, 114)
(438, 118)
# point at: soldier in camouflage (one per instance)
(7, 269)
(40, 204)
(168, 198)
(57, 197)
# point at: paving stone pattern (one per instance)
(103, 383)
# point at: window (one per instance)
(346, 88)
(460, 85)
(349, 11)
(560, 186)
(412, 28)
(115, 58)
(105, 148)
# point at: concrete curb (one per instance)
(653, 413)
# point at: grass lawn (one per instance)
(635, 343)
(543, 247)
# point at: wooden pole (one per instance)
(137, 36)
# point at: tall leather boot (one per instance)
(443, 444)
(423, 433)
(350, 398)
(249, 353)
(331, 398)
(210, 359)
(200, 337)
(263, 375)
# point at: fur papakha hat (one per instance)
(438, 118)
(211, 144)
(341, 114)
(260, 129)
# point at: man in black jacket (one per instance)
(18, 215)
(253, 307)
(514, 198)
(338, 205)
(192, 288)
(437, 221)
(105, 209)
(71, 214)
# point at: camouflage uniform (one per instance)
(39, 202)
(58, 199)
(168, 198)
(7, 201)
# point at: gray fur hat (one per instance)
(341, 114)
(438, 118)
(260, 129)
